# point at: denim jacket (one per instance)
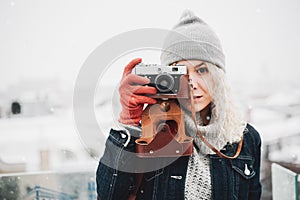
(231, 179)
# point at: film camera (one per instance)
(163, 132)
(166, 79)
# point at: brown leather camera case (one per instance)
(163, 132)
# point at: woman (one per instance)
(209, 173)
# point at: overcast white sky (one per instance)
(44, 39)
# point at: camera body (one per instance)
(166, 79)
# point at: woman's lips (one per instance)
(197, 98)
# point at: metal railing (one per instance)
(48, 186)
(39, 193)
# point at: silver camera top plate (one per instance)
(153, 69)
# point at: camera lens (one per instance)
(164, 82)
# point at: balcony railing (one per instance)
(48, 186)
(285, 183)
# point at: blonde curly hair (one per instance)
(226, 114)
(226, 124)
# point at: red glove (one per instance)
(131, 95)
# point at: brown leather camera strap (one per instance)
(202, 137)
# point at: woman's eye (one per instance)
(202, 70)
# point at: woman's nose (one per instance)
(193, 82)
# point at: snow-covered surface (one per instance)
(23, 138)
(288, 154)
(277, 118)
(273, 124)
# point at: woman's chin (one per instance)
(197, 107)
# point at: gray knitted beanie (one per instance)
(191, 39)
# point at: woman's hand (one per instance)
(132, 90)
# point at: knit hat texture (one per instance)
(191, 39)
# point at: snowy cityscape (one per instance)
(39, 139)
(44, 154)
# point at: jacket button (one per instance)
(246, 171)
(142, 191)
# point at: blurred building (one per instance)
(34, 98)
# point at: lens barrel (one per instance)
(164, 83)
